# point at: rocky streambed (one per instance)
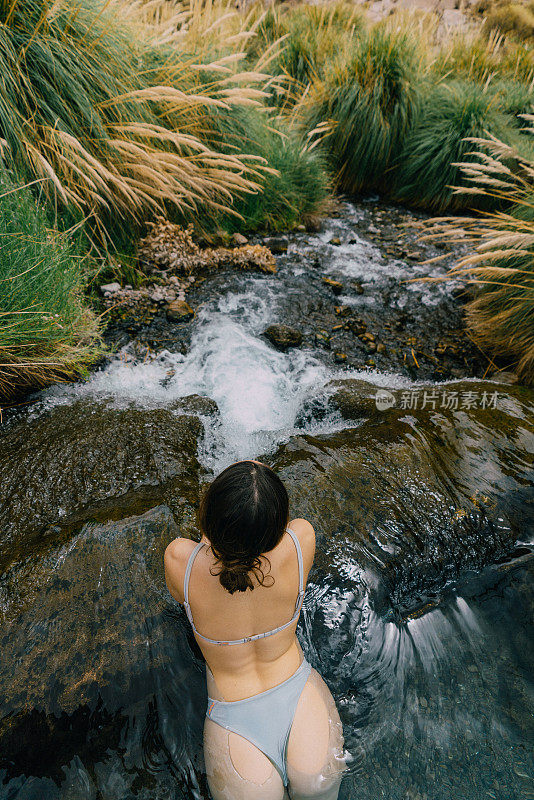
(419, 607)
(355, 291)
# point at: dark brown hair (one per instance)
(244, 514)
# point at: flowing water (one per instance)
(419, 607)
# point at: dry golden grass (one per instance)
(500, 265)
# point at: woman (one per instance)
(271, 723)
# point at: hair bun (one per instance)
(235, 576)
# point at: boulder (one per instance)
(283, 337)
(196, 404)
(92, 461)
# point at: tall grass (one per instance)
(501, 263)
(304, 39)
(483, 58)
(108, 118)
(47, 332)
(371, 100)
(295, 187)
(427, 169)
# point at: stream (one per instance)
(418, 611)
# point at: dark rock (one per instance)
(90, 461)
(358, 288)
(336, 286)
(276, 244)
(356, 326)
(340, 358)
(353, 398)
(322, 339)
(343, 311)
(196, 404)
(179, 311)
(282, 336)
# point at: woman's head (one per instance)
(243, 514)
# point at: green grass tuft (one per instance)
(47, 333)
(371, 100)
(426, 170)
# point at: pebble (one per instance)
(336, 286)
(357, 326)
(179, 311)
(110, 287)
(343, 311)
(238, 240)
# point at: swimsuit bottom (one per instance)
(265, 719)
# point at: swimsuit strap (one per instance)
(187, 575)
(301, 568)
(255, 636)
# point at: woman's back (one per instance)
(241, 670)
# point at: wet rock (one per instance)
(352, 398)
(357, 326)
(110, 287)
(322, 339)
(336, 286)
(335, 240)
(196, 404)
(276, 244)
(381, 348)
(90, 461)
(357, 287)
(343, 311)
(179, 311)
(283, 336)
(505, 377)
(238, 240)
(340, 358)
(381, 492)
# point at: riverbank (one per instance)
(238, 141)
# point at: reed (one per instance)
(500, 264)
(108, 119)
(47, 332)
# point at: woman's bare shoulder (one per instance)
(175, 560)
(306, 536)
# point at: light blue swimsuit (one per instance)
(265, 719)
